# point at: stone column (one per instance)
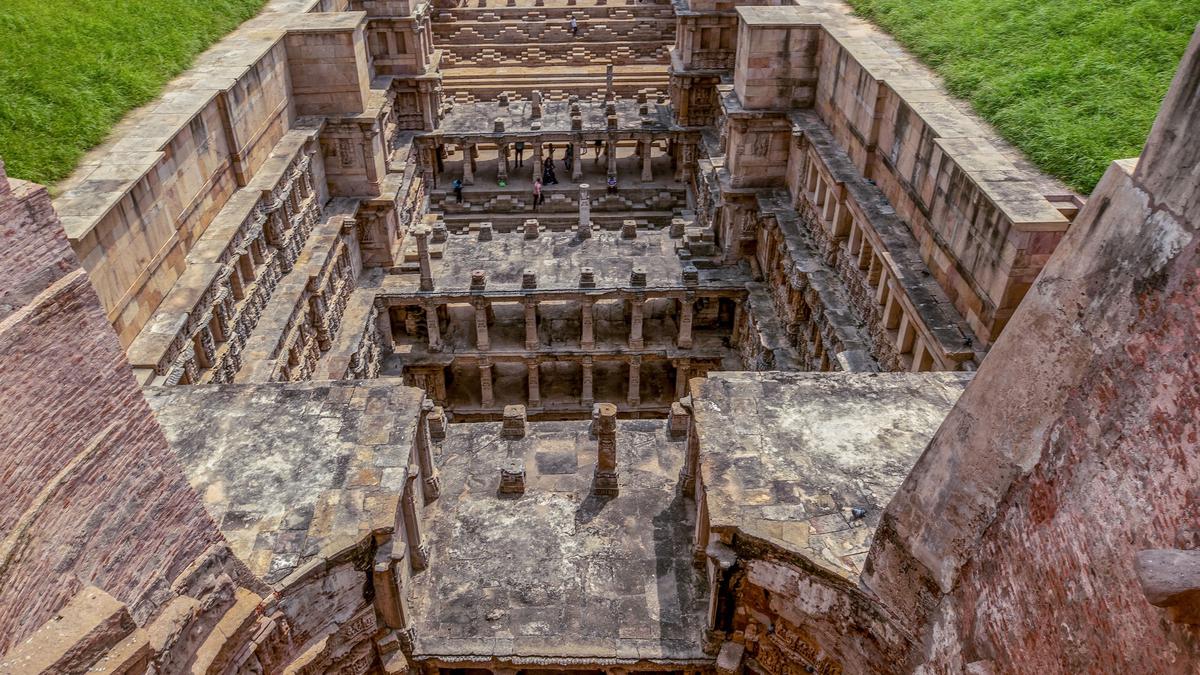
(635, 381)
(587, 398)
(485, 382)
(502, 163)
(481, 325)
(577, 162)
(635, 323)
(587, 339)
(604, 481)
(682, 366)
(418, 553)
(537, 161)
(531, 330)
(612, 158)
(433, 327)
(432, 486)
(647, 170)
(686, 308)
(585, 212)
(383, 325)
(422, 234)
(535, 370)
(468, 164)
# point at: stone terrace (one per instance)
(557, 572)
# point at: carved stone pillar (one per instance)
(421, 232)
(686, 309)
(531, 329)
(577, 162)
(431, 486)
(635, 322)
(481, 325)
(635, 381)
(682, 369)
(485, 382)
(647, 170)
(691, 457)
(433, 326)
(604, 481)
(468, 164)
(585, 212)
(535, 395)
(612, 158)
(537, 161)
(502, 164)
(587, 339)
(418, 553)
(586, 398)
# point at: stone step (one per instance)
(558, 11)
(557, 222)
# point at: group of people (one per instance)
(548, 176)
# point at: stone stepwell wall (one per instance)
(984, 227)
(135, 208)
(92, 493)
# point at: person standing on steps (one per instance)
(457, 190)
(568, 156)
(537, 192)
(599, 149)
(574, 26)
(550, 152)
(519, 147)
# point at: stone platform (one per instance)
(558, 573)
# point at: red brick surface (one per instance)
(123, 516)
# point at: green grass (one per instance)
(1074, 83)
(70, 69)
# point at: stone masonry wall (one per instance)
(92, 493)
(1012, 543)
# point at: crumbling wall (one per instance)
(1012, 542)
(92, 493)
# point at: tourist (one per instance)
(612, 184)
(599, 149)
(574, 26)
(568, 156)
(548, 176)
(458, 190)
(519, 147)
(537, 193)
(550, 152)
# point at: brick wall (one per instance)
(1012, 542)
(92, 493)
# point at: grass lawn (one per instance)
(70, 69)
(1074, 83)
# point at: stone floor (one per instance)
(558, 572)
(808, 461)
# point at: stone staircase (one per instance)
(491, 50)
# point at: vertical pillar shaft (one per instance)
(577, 162)
(537, 161)
(604, 482)
(682, 368)
(434, 328)
(635, 381)
(531, 329)
(383, 326)
(585, 212)
(468, 164)
(485, 383)
(635, 323)
(587, 398)
(612, 158)
(647, 169)
(481, 325)
(685, 323)
(587, 339)
(535, 393)
(422, 235)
